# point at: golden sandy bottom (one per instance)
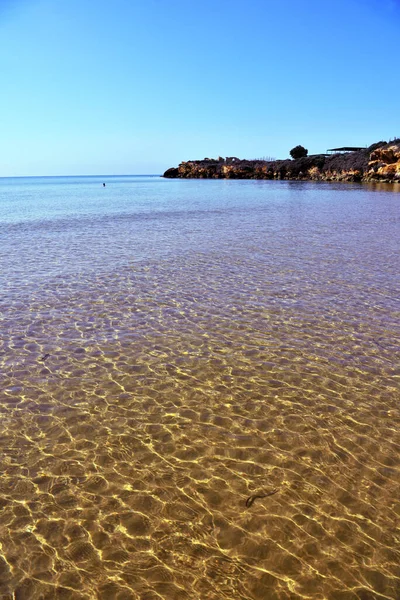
(128, 453)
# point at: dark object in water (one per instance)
(104, 185)
(44, 357)
(251, 499)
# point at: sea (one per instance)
(200, 389)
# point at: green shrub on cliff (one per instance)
(298, 152)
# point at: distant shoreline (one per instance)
(379, 162)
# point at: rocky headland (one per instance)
(379, 162)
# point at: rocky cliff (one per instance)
(379, 162)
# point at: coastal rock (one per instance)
(171, 173)
(384, 163)
(379, 162)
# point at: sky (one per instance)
(138, 86)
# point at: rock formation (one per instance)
(384, 163)
(379, 162)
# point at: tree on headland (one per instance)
(298, 152)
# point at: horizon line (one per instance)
(86, 175)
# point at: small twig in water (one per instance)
(251, 499)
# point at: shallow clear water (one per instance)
(169, 349)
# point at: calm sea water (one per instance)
(172, 352)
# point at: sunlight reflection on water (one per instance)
(171, 348)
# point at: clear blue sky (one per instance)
(137, 86)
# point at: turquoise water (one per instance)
(170, 348)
